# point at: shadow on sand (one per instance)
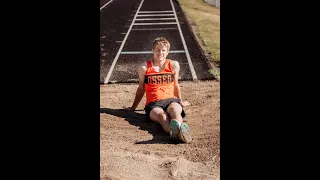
(144, 123)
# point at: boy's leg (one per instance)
(175, 110)
(158, 115)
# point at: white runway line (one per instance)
(152, 29)
(144, 15)
(194, 76)
(106, 4)
(150, 52)
(154, 12)
(141, 24)
(121, 46)
(147, 19)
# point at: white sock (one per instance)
(179, 124)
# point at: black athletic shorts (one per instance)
(164, 104)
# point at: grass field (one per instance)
(205, 21)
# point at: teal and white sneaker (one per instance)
(181, 132)
(185, 133)
(174, 129)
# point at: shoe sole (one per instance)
(185, 133)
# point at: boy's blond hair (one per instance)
(161, 40)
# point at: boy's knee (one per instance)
(161, 116)
(174, 107)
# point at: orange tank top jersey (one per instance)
(159, 85)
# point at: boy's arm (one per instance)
(140, 90)
(176, 68)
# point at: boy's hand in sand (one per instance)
(185, 103)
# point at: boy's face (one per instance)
(160, 52)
